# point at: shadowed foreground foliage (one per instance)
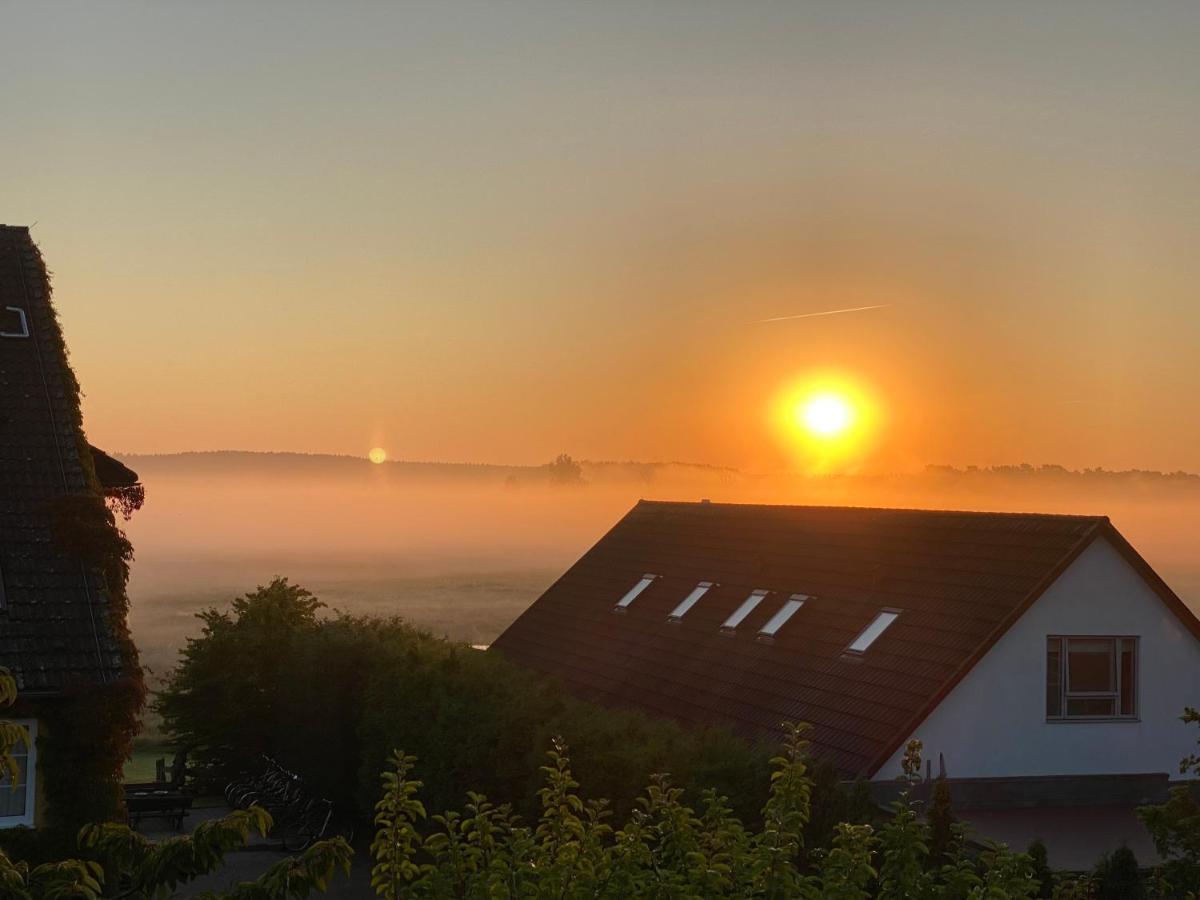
(667, 849)
(114, 862)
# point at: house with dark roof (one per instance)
(62, 566)
(1039, 658)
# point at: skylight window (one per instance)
(870, 634)
(690, 600)
(744, 610)
(777, 621)
(634, 591)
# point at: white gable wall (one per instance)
(993, 723)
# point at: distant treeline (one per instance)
(566, 470)
(1025, 470)
(563, 469)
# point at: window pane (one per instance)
(1128, 677)
(1091, 706)
(877, 627)
(1090, 665)
(1053, 677)
(12, 802)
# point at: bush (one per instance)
(329, 696)
(666, 848)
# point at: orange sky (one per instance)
(493, 233)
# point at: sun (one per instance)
(827, 421)
(377, 455)
(826, 415)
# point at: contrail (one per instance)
(827, 312)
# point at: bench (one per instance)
(160, 799)
(163, 803)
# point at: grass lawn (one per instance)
(140, 766)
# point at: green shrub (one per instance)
(575, 848)
(329, 696)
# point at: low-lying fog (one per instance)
(462, 550)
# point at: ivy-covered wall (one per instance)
(86, 731)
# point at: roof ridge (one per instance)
(1098, 519)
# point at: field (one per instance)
(463, 550)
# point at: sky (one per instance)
(494, 232)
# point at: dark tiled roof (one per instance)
(54, 622)
(960, 578)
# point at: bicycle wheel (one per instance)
(297, 833)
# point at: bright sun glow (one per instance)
(826, 415)
(377, 455)
(828, 420)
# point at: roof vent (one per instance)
(690, 600)
(634, 591)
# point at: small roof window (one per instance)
(634, 591)
(870, 634)
(744, 610)
(690, 600)
(777, 621)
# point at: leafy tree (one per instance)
(228, 721)
(565, 470)
(330, 695)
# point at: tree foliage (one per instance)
(666, 849)
(1175, 827)
(330, 695)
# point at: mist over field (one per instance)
(462, 550)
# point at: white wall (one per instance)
(993, 723)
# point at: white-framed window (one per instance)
(871, 633)
(633, 592)
(1091, 677)
(747, 607)
(17, 799)
(790, 607)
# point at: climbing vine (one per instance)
(86, 733)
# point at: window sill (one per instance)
(1095, 720)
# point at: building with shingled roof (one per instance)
(1039, 658)
(63, 563)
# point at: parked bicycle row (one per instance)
(300, 816)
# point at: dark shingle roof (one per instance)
(54, 618)
(961, 578)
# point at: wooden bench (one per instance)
(161, 803)
(160, 799)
